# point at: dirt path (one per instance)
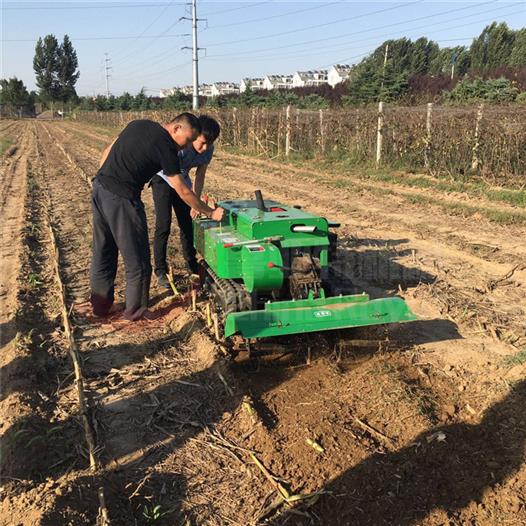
(421, 424)
(12, 203)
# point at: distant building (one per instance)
(255, 84)
(224, 88)
(309, 78)
(271, 82)
(166, 92)
(338, 73)
(206, 90)
(186, 90)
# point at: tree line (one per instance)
(492, 68)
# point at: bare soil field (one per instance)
(415, 424)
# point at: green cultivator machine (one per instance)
(267, 268)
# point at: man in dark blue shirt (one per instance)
(119, 222)
(197, 155)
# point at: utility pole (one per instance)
(453, 62)
(195, 57)
(383, 69)
(195, 54)
(107, 67)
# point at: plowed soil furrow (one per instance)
(364, 208)
(411, 424)
(41, 439)
(72, 201)
(360, 232)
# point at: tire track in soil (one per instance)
(156, 411)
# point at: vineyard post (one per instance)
(234, 125)
(379, 133)
(475, 159)
(278, 132)
(322, 133)
(287, 135)
(251, 130)
(427, 151)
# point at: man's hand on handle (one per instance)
(217, 214)
(189, 197)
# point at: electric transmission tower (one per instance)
(107, 68)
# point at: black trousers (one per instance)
(119, 225)
(166, 198)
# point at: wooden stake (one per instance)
(322, 133)
(287, 132)
(171, 281)
(208, 315)
(475, 160)
(194, 300)
(216, 326)
(379, 134)
(427, 150)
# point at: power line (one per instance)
(316, 26)
(236, 54)
(220, 12)
(344, 35)
(147, 28)
(243, 22)
(253, 58)
(148, 60)
(96, 38)
(66, 6)
(253, 55)
(452, 40)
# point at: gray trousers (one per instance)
(119, 225)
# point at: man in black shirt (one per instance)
(141, 150)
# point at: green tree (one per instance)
(518, 53)
(46, 65)
(13, 92)
(423, 53)
(443, 60)
(177, 101)
(249, 98)
(491, 90)
(492, 48)
(125, 101)
(365, 86)
(55, 67)
(140, 101)
(67, 73)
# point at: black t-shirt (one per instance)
(142, 149)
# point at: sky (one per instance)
(145, 39)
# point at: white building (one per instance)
(224, 88)
(206, 90)
(166, 92)
(309, 78)
(338, 73)
(271, 82)
(255, 84)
